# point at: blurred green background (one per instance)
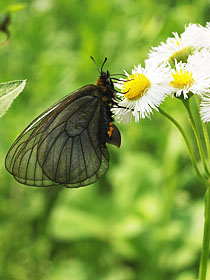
(144, 218)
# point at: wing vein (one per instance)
(56, 170)
(56, 138)
(71, 159)
(83, 156)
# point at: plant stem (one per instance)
(206, 136)
(205, 131)
(165, 114)
(206, 237)
(196, 133)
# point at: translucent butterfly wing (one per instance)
(62, 146)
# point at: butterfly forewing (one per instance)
(62, 146)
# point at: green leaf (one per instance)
(8, 92)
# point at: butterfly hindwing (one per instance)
(62, 146)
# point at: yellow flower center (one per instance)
(182, 79)
(135, 86)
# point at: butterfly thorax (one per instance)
(107, 88)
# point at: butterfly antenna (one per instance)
(95, 64)
(105, 59)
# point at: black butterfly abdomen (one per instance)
(105, 95)
(105, 120)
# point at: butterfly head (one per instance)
(104, 81)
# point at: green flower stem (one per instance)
(206, 136)
(197, 136)
(165, 114)
(206, 238)
(205, 131)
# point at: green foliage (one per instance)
(143, 220)
(8, 92)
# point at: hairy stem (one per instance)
(186, 103)
(205, 131)
(194, 163)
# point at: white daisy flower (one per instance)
(179, 47)
(206, 39)
(193, 76)
(205, 109)
(205, 101)
(145, 89)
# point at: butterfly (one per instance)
(66, 144)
